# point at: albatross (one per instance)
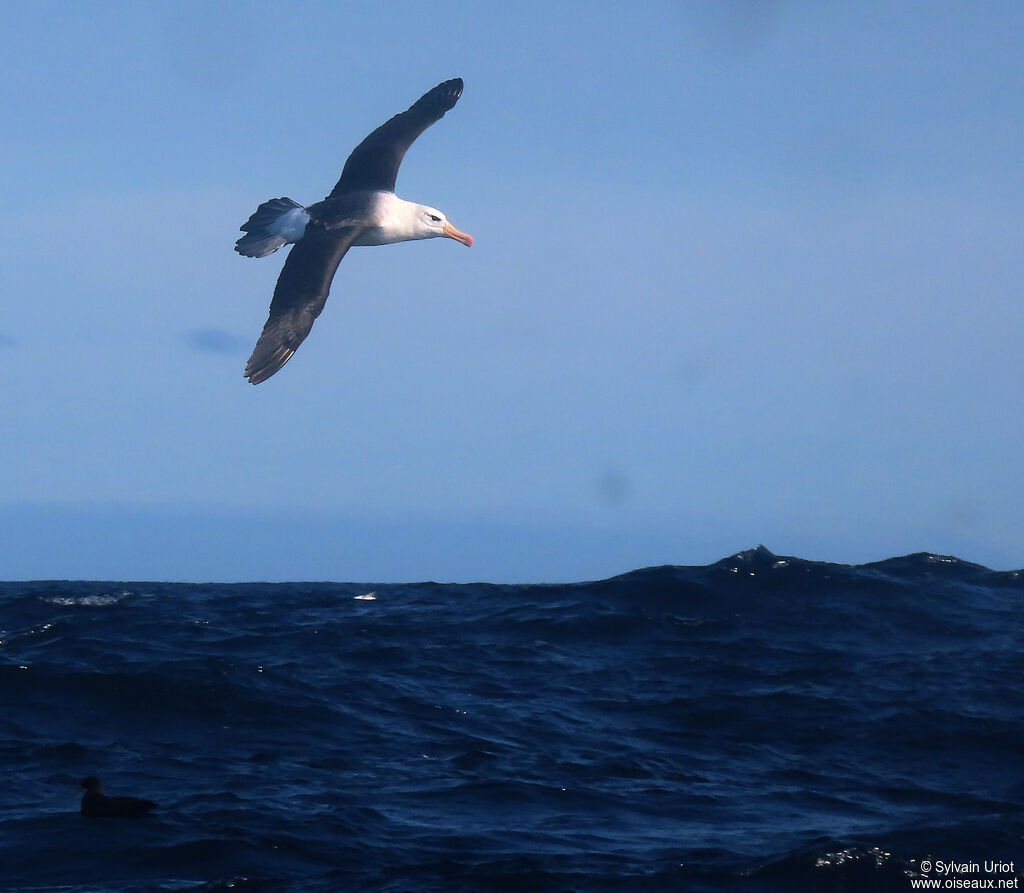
(362, 209)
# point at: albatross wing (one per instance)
(374, 163)
(300, 295)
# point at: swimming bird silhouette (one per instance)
(96, 803)
(362, 209)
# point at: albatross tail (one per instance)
(277, 222)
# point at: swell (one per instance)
(763, 722)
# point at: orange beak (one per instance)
(452, 233)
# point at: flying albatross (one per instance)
(362, 209)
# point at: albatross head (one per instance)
(430, 223)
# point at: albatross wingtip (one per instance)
(264, 363)
(448, 91)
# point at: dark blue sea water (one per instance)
(761, 724)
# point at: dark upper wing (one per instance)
(374, 163)
(300, 295)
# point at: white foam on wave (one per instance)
(88, 601)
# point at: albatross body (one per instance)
(362, 209)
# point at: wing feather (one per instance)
(374, 163)
(299, 297)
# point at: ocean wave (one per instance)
(762, 723)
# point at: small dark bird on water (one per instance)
(96, 803)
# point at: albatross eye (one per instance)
(435, 219)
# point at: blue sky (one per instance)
(745, 272)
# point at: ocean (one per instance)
(763, 723)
